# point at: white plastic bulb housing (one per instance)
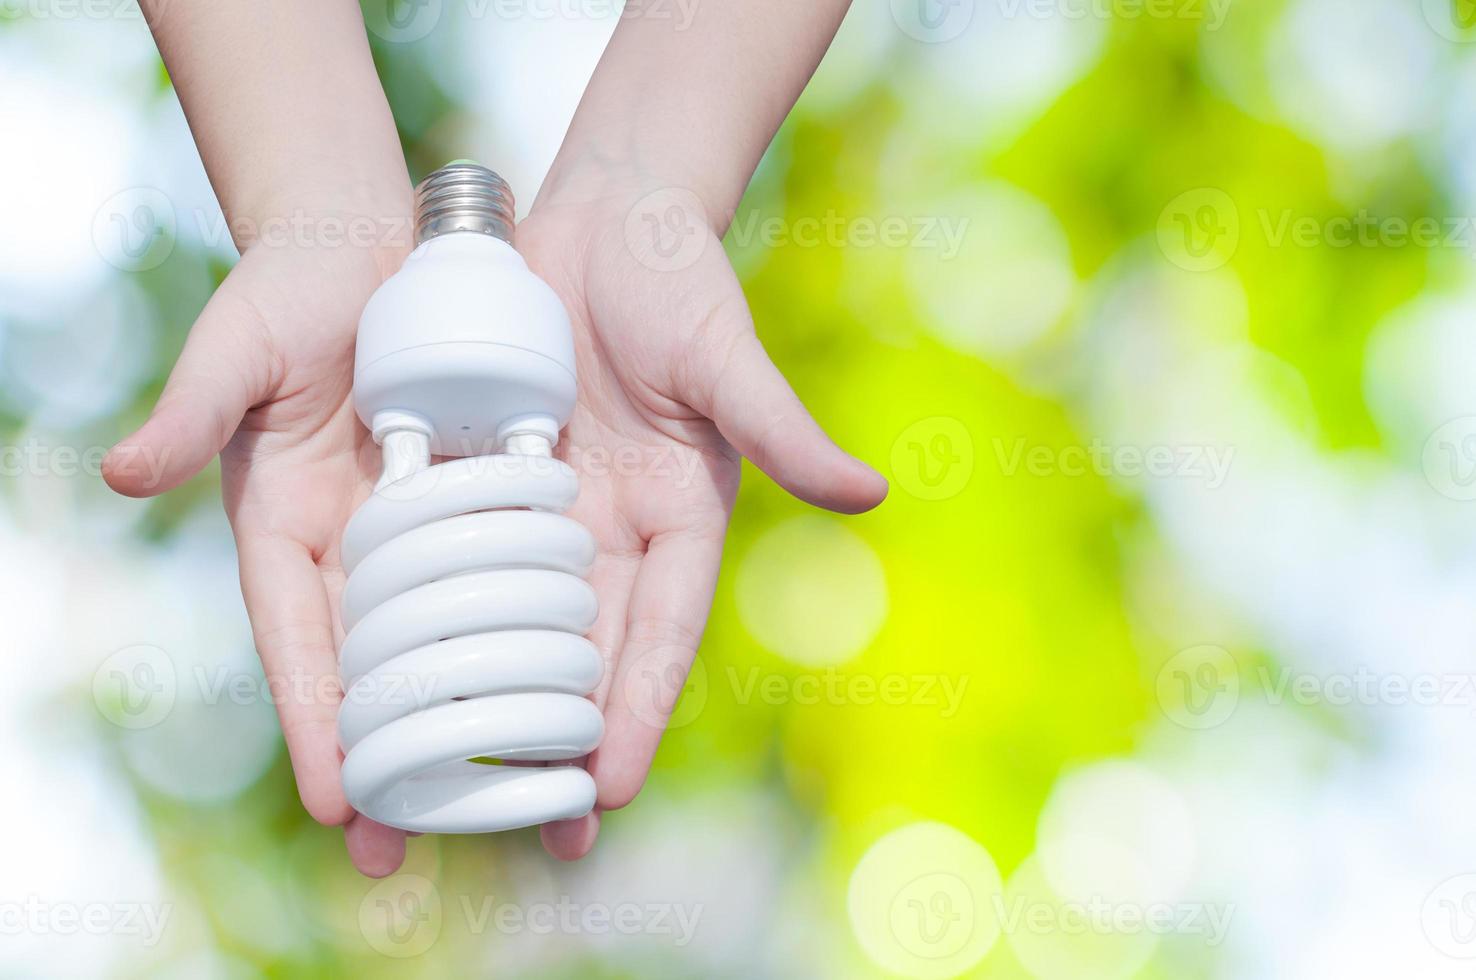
(467, 338)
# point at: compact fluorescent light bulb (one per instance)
(466, 603)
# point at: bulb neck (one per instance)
(463, 197)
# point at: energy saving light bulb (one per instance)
(466, 603)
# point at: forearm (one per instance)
(691, 92)
(284, 104)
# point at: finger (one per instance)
(376, 850)
(290, 619)
(570, 840)
(668, 609)
(756, 410)
(613, 579)
(224, 369)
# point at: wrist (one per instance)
(346, 214)
(596, 170)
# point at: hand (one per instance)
(673, 380)
(265, 379)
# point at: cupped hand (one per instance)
(674, 386)
(265, 380)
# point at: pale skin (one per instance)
(670, 368)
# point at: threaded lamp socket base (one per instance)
(463, 196)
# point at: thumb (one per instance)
(758, 412)
(224, 369)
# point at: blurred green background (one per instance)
(1155, 663)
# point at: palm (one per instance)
(657, 483)
(266, 378)
(297, 466)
